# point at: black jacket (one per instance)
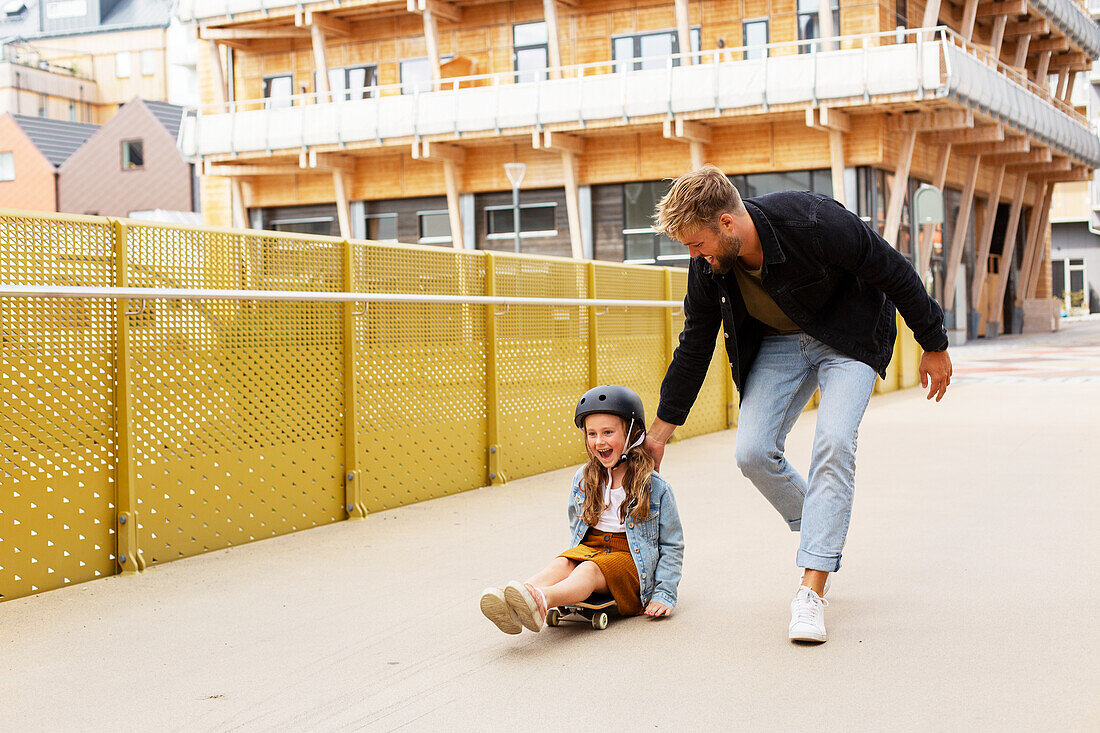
(827, 270)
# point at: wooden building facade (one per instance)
(393, 121)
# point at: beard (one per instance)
(726, 257)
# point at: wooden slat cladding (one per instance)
(484, 36)
(752, 146)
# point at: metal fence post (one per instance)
(353, 482)
(128, 551)
(492, 379)
(593, 333)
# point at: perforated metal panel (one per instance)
(631, 341)
(542, 355)
(238, 406)
(420, 376)
(220, 421)
(57, 451)
(709, 413)
(908, 353)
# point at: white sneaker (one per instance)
(807, 616)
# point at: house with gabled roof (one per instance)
(130, 164)
(32, 149)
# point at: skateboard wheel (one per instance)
(599, 621)
(553, 617)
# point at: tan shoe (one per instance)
(522, 601)
(496, 609)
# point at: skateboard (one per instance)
(595, 609)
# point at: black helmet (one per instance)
(611, 398)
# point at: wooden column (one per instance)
(1072, 78)
(240, 214)
(343, 206)
(998, 35)
(570, 147)
(962, 221)
(836, 124)
(695, 134)
(981, 255)
(219, 72)
(970, 14)
(1043, 68)
(897, 192)
(1008, 249)
(320, 61)
(431, 37)
(1022, 44)
(683, 29)
(931, 14)
(1039, 213)
(825, 23)
(452, 157)
(1040, 231)
(550, 12)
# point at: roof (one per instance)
(55, 139)
(168, 115)
(126, 15)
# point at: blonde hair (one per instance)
(696, 200)
(639, 467)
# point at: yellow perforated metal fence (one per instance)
(138, 432)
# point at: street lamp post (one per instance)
(515, 172)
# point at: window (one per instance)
(535, 220)
(320, 225)
(531, 55)
(72, 112)
(133, 155)
(56, 9)
(350, 82)
(808, 21)
(43, 102)
(901, 13)
(641, 244)
(435, 226)
(148, 62)
(416, 74)
(652, 48)
(755, 33)
(7, 166)
(383, 227)
(122, 65)
(279, 90)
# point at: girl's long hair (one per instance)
(639, 467)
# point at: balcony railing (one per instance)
(881, 67)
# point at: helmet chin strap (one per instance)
(632, 446)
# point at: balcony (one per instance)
(931, 64)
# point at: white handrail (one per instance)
(61, 291)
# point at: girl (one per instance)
(629, 543)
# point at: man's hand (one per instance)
(655, 438)
(935, 368)
(657, 609)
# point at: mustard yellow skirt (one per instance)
(611, 552)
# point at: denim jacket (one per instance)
(656, 544)
(835, 277)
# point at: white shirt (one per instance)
(612, 500)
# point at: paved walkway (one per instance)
(967, 599)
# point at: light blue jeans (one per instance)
(781, 382)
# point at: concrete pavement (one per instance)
(966, 600)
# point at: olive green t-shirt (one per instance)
(759, 304)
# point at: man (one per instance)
(805, 294)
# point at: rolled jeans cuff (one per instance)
(810, 561)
